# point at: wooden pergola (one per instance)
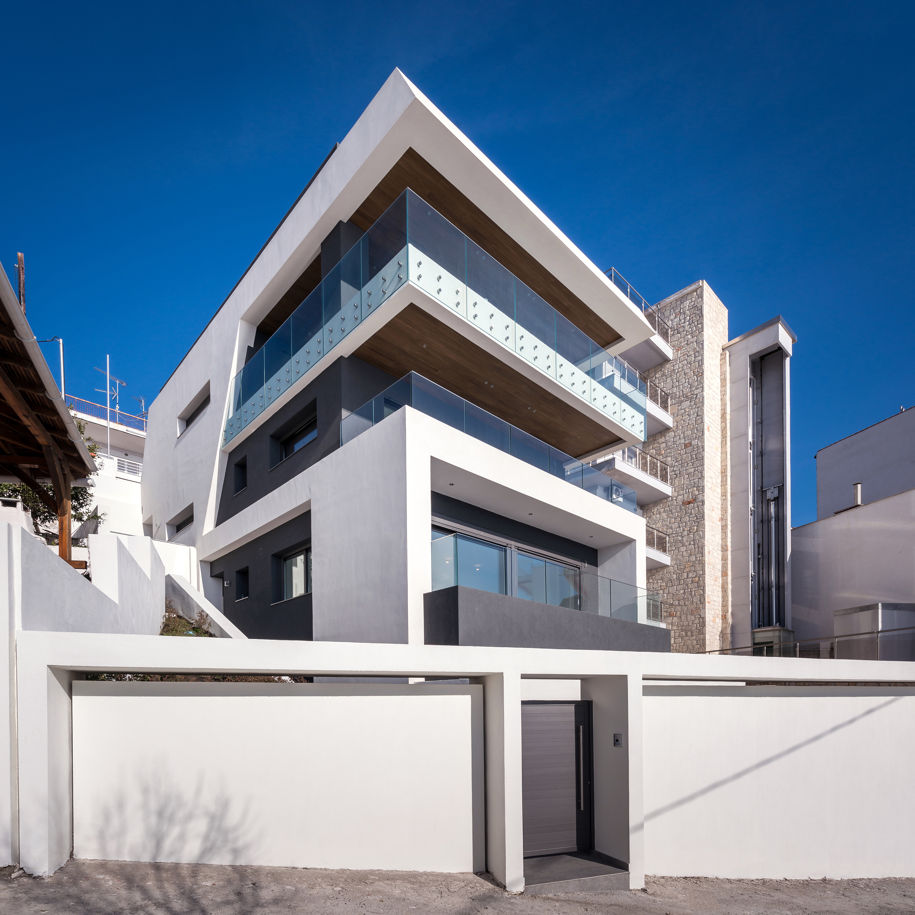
(39, 439)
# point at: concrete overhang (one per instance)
(401, 122)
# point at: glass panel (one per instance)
(252, 387)
(562, 585)
(342, 285)
(307, 338)
(294, 576)
(481, 565)
(530, 449)
(444, 565)
(565, 467)
(531, 577)
(383, 252)
(574, 351)
(357, 422)
(399, 394)
(535, 338)
(441, 265)
(277, 355)
(486, 427)
(438, 403)
(490, 295)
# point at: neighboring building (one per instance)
(569, 447)
(857, 560)
(120, 439)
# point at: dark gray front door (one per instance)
(556, 777)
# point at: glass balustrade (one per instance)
(412, 242)
(432, 399)
(459, 559)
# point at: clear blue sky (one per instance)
(149, 150)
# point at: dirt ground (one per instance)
(114, 887)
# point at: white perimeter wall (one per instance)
(338, 776)
(752, 782)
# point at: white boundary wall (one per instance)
(280, 774)
(781, 781)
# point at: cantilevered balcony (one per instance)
(657, 549)
(657, 348)
(415, 391)
(643, 472)
(411, 243)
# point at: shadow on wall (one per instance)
(767, 761)
(151, 818)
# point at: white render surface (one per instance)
(761, 782)
(858, 557)
(325, 771)
(881, 458)
(46, 661)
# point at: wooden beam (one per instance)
(26, 414)
(27, 460)
(41, 493)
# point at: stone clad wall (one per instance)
(694, 589)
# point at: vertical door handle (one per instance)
(581, 768)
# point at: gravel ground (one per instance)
(115, 887)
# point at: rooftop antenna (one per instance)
(20, 274)
(142, 402)
(110, 392)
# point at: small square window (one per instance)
(241, 584)
(240, 475)
(294, 434)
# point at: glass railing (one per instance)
(432, 399)
(459, 559)
(647, 463)
(657, 540)
(412, 242)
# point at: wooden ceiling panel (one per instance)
(413, 171)
(415, 341)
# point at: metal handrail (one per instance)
(100, 411)
(832, 641)
(647, 463)
(656, 394)
(656, 540)
(660, 326)
(627, 288)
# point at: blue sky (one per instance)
(767, 148)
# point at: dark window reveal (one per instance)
(240, 475)
(293, 435)
(298, 439)
(241, 584)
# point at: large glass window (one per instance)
(468, 561)
(547, 581)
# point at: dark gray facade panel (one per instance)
(465, 616)
(260, 615)
(342, 387)
(487, 522)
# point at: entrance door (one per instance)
(556, 777)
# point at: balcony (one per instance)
(104, 414)
(412, 243)
(657, 549)
(484, 593)
(415, 391)
(647, 475)
(655, 350)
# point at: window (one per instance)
(293, 435)
(297, 440)
(184, 519)
(297, 574)
(467, 561)
(240, 475)
(241, 583)
(193, 410)
(472, 562)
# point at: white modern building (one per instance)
(461, 490)
(120, 439)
